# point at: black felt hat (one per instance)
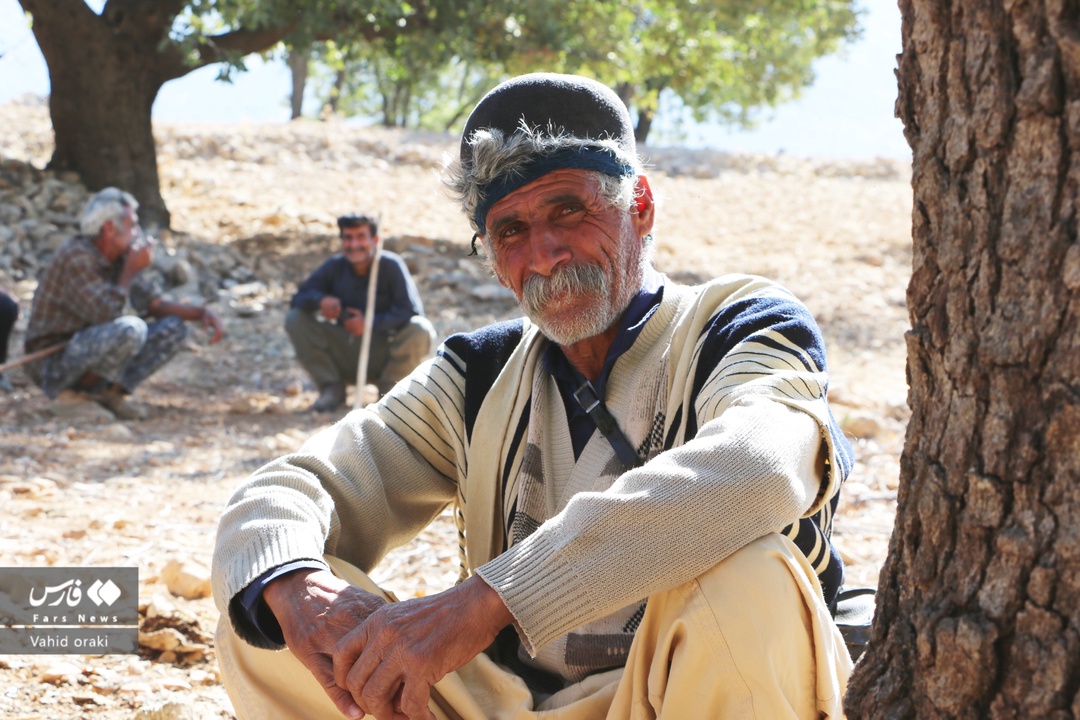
(568, 104)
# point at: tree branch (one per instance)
(70, 13)
(143, 8)
(217, 48)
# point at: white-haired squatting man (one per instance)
(643, 474)
(81, 299)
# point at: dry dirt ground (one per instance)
(95, 491)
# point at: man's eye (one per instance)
(570, 212)
(510, 232)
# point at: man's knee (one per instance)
(304, 328)
(168, 332)
(770, 567)
(129, 334)
(9, 310)
(414, 339)
(299, 321)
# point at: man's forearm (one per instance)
(162, 308)
(283, 595)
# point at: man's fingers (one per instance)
(348, 654)
(343, 700)
(322, 667)
(415, 701)
(379, 694)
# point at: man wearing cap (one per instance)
(643, 473)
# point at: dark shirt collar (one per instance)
(568, 379)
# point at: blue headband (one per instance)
(576, 158)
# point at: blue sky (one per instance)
(847, 113)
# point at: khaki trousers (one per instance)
(330, 354)
(751, 638)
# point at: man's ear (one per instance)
(105, 236)
(643, 211)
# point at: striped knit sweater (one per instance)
(724, 393)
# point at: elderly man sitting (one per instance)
(644, 477)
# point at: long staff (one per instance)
(36, 355)
(359, 399)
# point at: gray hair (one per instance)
(107, 205)
(495, 155)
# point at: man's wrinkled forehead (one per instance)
(589, 124)
(558, 188)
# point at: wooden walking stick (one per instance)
(36, 355)
(362, 388)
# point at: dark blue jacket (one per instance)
(396, 296)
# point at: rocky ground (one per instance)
(253, 209)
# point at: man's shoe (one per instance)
(115, 401)
(75, 405)
(330, 398)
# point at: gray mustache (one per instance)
(574, 279)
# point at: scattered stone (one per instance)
(84, 699)
(60, 672)
(186, 579)
(72, 405)
(117, 432)
(167, 710)
(861, 425)
(166, 639)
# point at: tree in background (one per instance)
(106, 69)
(722, 59)
(298, 57)
(978, 612)
(433, 84)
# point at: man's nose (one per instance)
(549, 249)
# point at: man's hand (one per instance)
(354, 321)
(315, 609)
(330, 307)
(138, 256)
(390, 662)
(212, 323)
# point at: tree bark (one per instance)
(979, 600)
(298, 68)
(104, 80)
(106, 71)
(644, 125)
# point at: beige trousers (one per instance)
(751, 638)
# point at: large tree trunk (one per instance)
(979, 600)
(105, 72)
